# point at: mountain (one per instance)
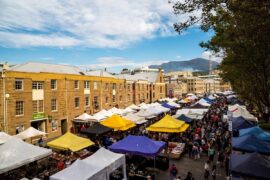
(197, 64)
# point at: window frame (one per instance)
(17, 108)
(18, 80)
(55, 85)
(56, 108)
(77, 103)
(76, 84)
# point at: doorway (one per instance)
(63, 126)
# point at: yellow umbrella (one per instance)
(118, 123)
(168, 124)
(71, 142)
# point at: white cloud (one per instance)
(95, 23)
(110, 62)
(211, 55)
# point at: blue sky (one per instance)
(95, 34)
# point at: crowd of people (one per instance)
(209, 137)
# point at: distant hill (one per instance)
(197, 64)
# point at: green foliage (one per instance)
(242, 35)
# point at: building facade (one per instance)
(49, 96)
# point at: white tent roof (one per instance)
(15, 153)
(144, 113)
(105, 113)
(154, 110)
(171, 103)
(133, 106)
(182, 111)
(128, 110)
(84, 117)
(211, 97)
(96, 167)
(115, 110)
(198, 111)
(136, 119)
(4, 137)
(29, 133)
(99, 117)
(240, 111)
(203, 103)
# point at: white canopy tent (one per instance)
(29, 133)
(4, 137)
(133, 106)
(84, 118)
(105, 113)
(244, 113)
(136, 119)
(171, 103)
(99, 166)
(99, 117)
(15, 153)
(115, 110)
(211, 97)
(154, 110)
(128, 110)
(144, 113)
(182, 111)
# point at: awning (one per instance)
(118, 123)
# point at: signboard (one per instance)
(39, 115)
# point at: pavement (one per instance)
(196, 167)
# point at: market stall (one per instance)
(70, 142)
(175, 150)
(15, 153)
(30, 133)
(168, 124)
(118, 123)
(99, 166)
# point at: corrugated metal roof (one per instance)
(147, 76)
(100, 73)
(38, 67)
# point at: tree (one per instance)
(241, 34)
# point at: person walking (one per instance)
(214, 172)
(206, 170)
(173, 172)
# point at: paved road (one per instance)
(184, 164)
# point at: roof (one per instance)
(38, 67)
(100, 73)
(147, 76)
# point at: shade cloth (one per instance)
(256, 131)
(133, 106)
(168, 124)
(146, 114)
(250, 165)
(71, 142)
(241, 123)
(15, 153)
(96, 129)
(115, 110)
(118, 123)
(29, 133)
(96, 167)
(184, 118)
(138, 145)
(250, 143)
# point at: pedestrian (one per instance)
(189, 176)
(60, 165)
(173, 172)
(179, 178)
(211, 153)
(206, 170)
(214, 172)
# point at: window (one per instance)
(120, 86)
(86, 84)
(38, 106)
(114, 86)
(53, 84)
(18, 84)
(87, 101)
(95, 85)
(96, 102)
(37, 85)
(153, 95)
(106, 86)
(54, 125)
(160, 89)
(128, 87)
(113, 98)
(120, 98)
(19, 129)
(77, 102)
(54, 105)
(76, 84)
(106, 99)
(19, 108)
